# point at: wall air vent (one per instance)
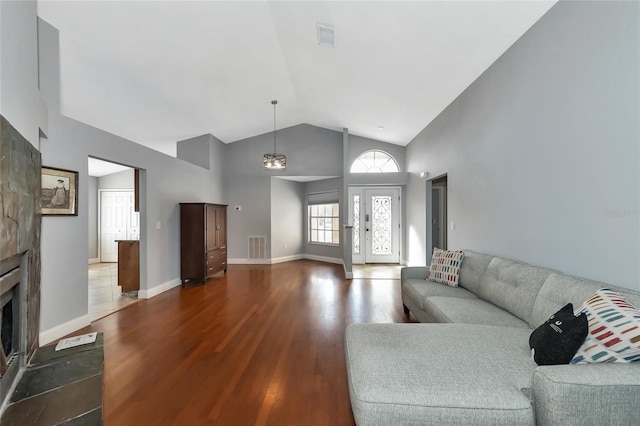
(326, 35)
(257, 247)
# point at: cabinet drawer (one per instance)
(214, 267)
(216, 261)
(216, 255)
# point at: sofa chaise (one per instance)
(469, 363)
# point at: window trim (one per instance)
(332, 230)
(369, 168)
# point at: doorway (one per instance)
(439, 213)
(375, 215)
(112, 216)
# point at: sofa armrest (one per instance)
(413, 273)
(591, 394)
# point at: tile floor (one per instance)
(377, 271)
(105, 295)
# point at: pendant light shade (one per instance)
(274, 160)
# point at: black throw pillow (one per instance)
(559, 338)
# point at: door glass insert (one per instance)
(356, 224)
(381, 225)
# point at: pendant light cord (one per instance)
(274, 103)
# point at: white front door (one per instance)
(118, 221)
(374, 213)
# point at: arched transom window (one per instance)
(375, 161)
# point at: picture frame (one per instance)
(59, 192)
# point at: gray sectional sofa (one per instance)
(468, 362)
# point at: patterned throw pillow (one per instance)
(614, 329)
(445, 266)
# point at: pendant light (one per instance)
(273, 160)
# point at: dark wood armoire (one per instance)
(203, 241)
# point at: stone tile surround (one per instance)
(20, 187)
(63, 387)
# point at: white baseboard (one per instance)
(287, 258)
(323, 259)
(62, 330)
(284, 259)
(94, 260)
(347, 275)
(248, 261)
(154, 291)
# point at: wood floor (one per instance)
(261, 345)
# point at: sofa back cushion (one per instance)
(560, 289)
(472, 268)
(513, 286)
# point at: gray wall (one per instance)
(205, 151)
(121, 180)
(310, 151)
(20, 101)
(195, 151)
(165, 181)
(287, 204)
(92, 213)
(542, 151)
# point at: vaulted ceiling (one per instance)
(157, 72)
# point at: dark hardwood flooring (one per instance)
(261, 345)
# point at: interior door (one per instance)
(118, 221)
(113, 224)
(439, 213)
(375, 216)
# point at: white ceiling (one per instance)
(157, 72)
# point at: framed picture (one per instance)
(59, 192)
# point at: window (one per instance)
(324, 223)
(375, 161)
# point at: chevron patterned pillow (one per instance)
(445, 266)
(614, 329)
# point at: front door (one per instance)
(376, 225)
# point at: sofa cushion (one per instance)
(614, 329)
(470, 311)
(560, 289)
(417, 290)
(411, 374)
(445, 266)
(513, 286)
(472, 268)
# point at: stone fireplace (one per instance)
(13, 324)
(19, 254)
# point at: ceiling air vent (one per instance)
(326, 35)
